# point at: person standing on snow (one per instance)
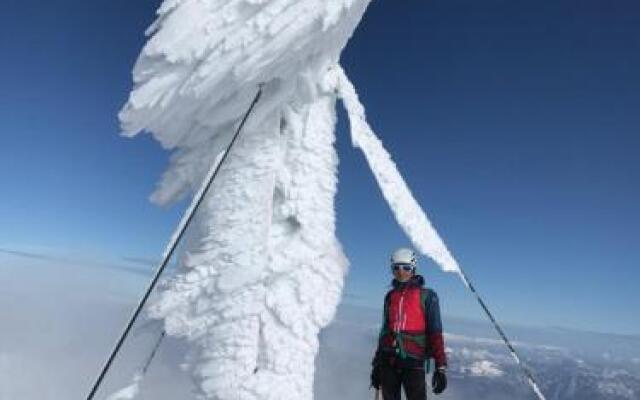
(411, 334)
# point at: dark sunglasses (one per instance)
(406, 267)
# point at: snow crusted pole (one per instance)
(173, 244)
(527, 372)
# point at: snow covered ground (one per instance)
(57, 331)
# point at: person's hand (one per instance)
(439, 380)
(376, 381)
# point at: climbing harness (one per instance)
(171, 247)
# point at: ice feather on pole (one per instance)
(406, 209)
(204, 60)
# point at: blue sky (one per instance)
(515, 124)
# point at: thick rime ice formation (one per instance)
(262, 270)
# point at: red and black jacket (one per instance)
(412, 328)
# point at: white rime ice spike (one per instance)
(404, 206)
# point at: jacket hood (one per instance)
(415, 281)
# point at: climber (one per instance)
(411, 334)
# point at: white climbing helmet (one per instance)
(403, 256)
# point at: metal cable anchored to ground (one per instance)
(527, 372)
(170, 249)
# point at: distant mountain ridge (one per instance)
(570, 364)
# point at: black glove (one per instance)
(376, 380)
(439, 381)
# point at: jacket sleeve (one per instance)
(383, 331)
(434, 330)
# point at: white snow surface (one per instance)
(485, 368)
(262, 270)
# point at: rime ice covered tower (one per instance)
(263, 270)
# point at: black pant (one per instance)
(413, 381)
